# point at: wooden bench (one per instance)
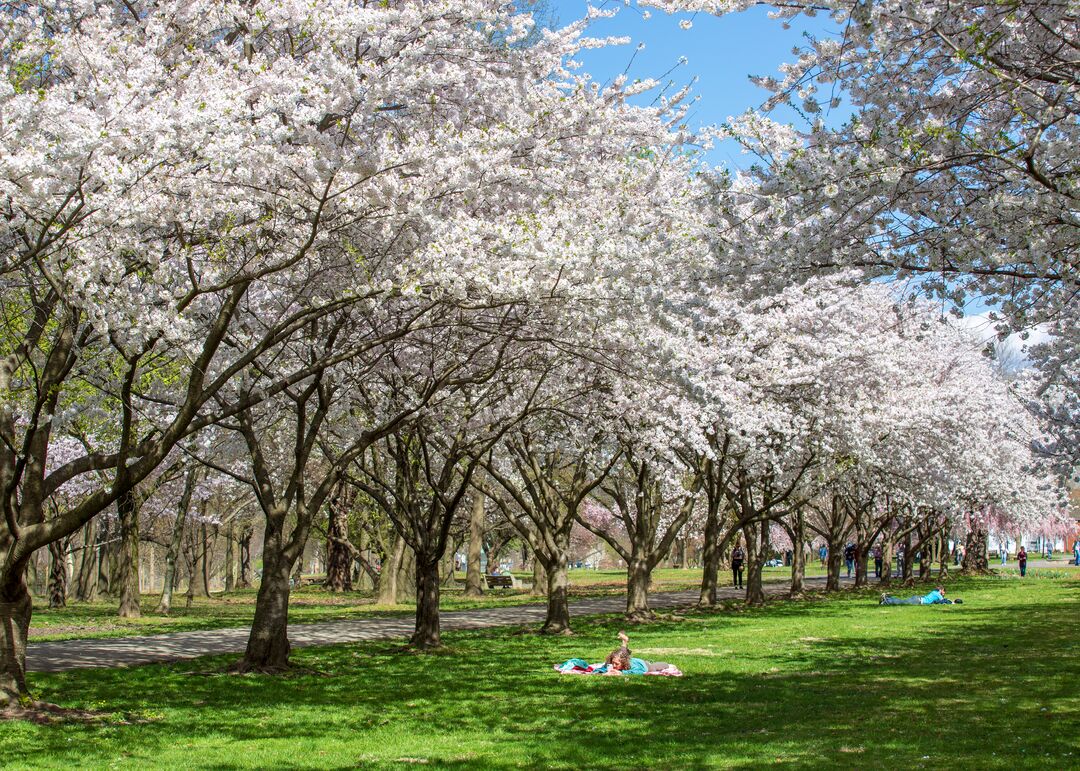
(500, 582)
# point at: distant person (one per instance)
(849, 558)
(738, 557)
(1021, 560)
(877, 561)
(1004, 554)
(1076, 552)
(935, 597)
(1049, 551)
(823, 552)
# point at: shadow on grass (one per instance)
(816, 684)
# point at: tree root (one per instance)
(46, 713)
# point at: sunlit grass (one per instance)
(837, 682)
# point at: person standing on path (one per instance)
(877, 561)
(1076, 552)
(823, 552)
(1021, 560)
(738, 557)
(849, 558)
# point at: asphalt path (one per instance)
(62, 655)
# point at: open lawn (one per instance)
(312, 603)
(837, 682)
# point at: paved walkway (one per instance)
(63, 655)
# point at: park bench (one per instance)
(500, 582)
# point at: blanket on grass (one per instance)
(637, 667)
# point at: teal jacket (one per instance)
(934, 596)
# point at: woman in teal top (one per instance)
(936, 597)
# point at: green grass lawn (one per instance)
(837, 682)
(311, 603)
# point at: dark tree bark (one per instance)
(887, 549)
(798, 554)
(975, 559)
(268, 643)
(758, 535)
(426, 629)
(16, 607)
(128, 556)
(710, 556)
(58, 574)
(339, 555)
(832, 565)
(539, 580)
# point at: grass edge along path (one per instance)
(828, 682)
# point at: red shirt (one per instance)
(1021, 556)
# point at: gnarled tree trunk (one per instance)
(758, 535)
(798, 556)
(638, 575)
(16, 607)
(58, 574)
(426, 630)
(128, 555)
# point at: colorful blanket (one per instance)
(582, 667)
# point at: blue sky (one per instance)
(722, 54)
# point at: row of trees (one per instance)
(334, 258)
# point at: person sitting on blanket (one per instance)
(936, 597)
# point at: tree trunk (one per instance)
(172, 553)
(245, 559)
(473, 578)
(268, 643)
(206, 561)
(230, 559)
(886, 559)
(710, 561)
(101, 582)
(84, 577)
(798, 556)
(338, 555)
(16, 607)
(58, 575)
(638, 575)
(426, 632)
(832, 566)
(975, 560)
(128, 556)
(908, 574)
(558, 606)
(539, 584)
(862, 557)
(755, 562)
(406, 578)
(388, 575)
(943, 556)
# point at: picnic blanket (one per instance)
(637, 667)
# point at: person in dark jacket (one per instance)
(738, 557)
(1021, 560)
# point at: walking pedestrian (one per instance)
(738, 557)
(823, 552)
(1021, 560)
(1076, 552)
(877, 561)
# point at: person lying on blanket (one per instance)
(619, 662)
(936, 597)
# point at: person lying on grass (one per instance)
(619, 662)
(936, 597)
